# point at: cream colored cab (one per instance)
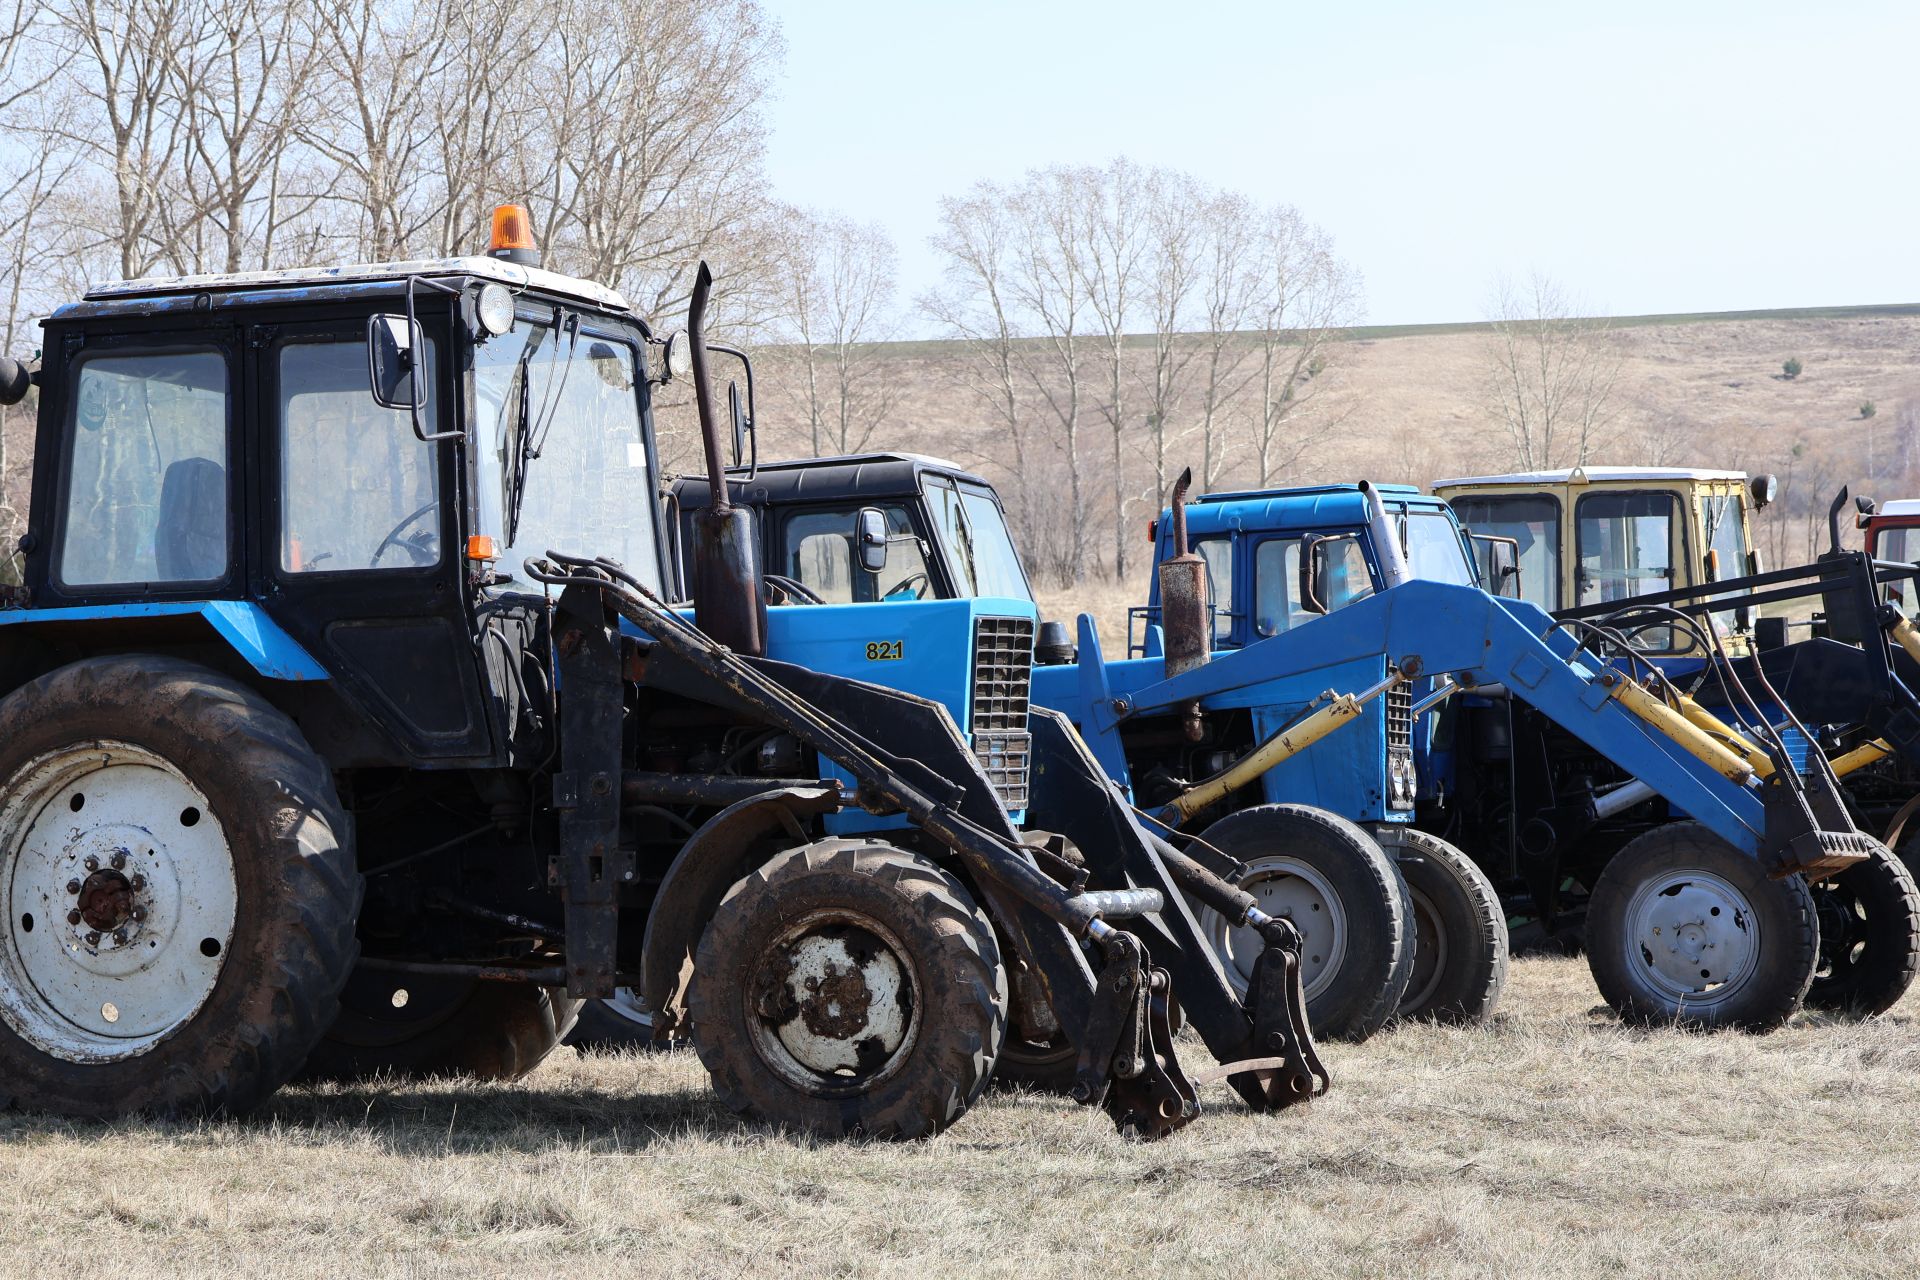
(1597, 535)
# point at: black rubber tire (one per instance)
(603, 1027)
(1460, 930)
(1869, 937)
(949, 948)
(298, 888)
(1373, 974)
(447, 1027)
(1782, 909)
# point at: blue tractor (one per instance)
(1327, 850)
(1580, 835)
(347, 726)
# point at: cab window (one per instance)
(146, 475)
(1900, 544)
(1277, 605)
(1217, 553)
(358, 490)
(1431, 542)
(563, 463)
(1726, 539)
(1625, 545)
(1533, 522)
(817, 551)
(996, 567)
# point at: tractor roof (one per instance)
(1900, 507)
(854, 476)
(1305, 507)
(1590, 475)
(361, 274)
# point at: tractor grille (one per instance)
(1399, 700)
(1002, 676)
(1402, 782)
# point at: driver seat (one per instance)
(190, 543)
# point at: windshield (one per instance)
(1726, 538)
(1533, 522)
(1900, 543)
(563, 456)
(817, 551)
(974, 533)
(1434, 552)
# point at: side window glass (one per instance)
(1276, 587)
(146, 497)
(950, 523)
(1348, 576)
(357, 489)
(1625, 546)
(1218, 554)
(1533, 522)
(817, 552)
(1902, 546)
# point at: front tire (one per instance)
(1459, 933)
(1344, 895)
(1869, 937)
(1684, 928)
(849, 987)
(180, 891)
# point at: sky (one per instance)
(1647, 157)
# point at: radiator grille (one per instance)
(1399, 701)
(1002, 677)
(1402, 781)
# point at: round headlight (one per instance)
(677, 360)
(495, 308)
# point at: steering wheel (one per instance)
(919, 592)
(792, 591)
(412, 546)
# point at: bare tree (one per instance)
(1306, 294)
(837, 284)
(1229, 284)
(1176, 251)
(1552, 374)
(1111, 216)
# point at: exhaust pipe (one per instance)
(1185, 621)
(728, 602)
(1386, 540)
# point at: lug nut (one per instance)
(93, 938)
(139, 882)
(139, 913)
(119, 859)
(93, 863)
(73, 917)
(73, 886)
(119, 935)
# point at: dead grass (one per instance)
(1552, 1142)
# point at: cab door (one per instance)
(357, 553)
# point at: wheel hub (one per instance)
(1694, 935)
(1300, 894)
(834, 1004)
(120, 893)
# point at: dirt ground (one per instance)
(1549, 1143)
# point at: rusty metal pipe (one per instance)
(718, 502)
(713, 791)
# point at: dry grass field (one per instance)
(1550, 1143)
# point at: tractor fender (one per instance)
(244, 626)
(709, 864)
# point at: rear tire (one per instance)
(441, 1027)
(1460, 931)
(1342, 893)
(849, 987)
(1869, 937)
(180, 892)
(1684, 928)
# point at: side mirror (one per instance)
(1499, 563)
(1313, 574)
(870, 534)
(1763, 489)
(391, 344)
(737, 413)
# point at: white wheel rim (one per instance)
(1295, 891)
(626, 1003)
(834, 1004)
(1693, 937)
(118, 837)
